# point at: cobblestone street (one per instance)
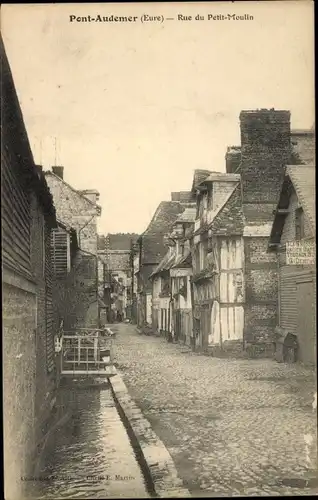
(232, 427)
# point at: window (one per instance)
(204, 252)
(299, 224)
(60, 249)
(197, 258)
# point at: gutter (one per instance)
(155, 460)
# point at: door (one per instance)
(205, 324)
(306, 320)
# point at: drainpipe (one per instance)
(81, 229)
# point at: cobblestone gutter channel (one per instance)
(89, 453)
(156, 461)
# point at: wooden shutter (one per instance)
(16, 216)
(60, 253)
(49, 303)
(288, 300)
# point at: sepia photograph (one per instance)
(158, 217)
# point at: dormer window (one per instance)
(299, 224)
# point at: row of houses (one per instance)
(49, 283)
(114, 276)
(230, 264)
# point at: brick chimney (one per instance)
(59, 171)
(265, 150)
(232, 159)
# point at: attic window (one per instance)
(299, 224)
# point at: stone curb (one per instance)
(159, 463)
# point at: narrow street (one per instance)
(231, 426)
(159, 251)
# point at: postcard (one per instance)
(158, 249)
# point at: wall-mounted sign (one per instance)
(300, 253)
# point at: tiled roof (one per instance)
(121, 241)
(79, 193)
(204, 227)
(153, 248)
(303, 179)
(153, 239)
(165, 264)
(117, 241)
(164, 217)
(184, 260)
(230, 219)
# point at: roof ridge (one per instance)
(226, 199)
(290, 170)
(49, 172)
(219, 213)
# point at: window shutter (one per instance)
(60, 249)
(49, 304)
(15, 217)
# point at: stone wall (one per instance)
(265, 138)
(261, 291)
(19, 384)
(75, 298)
(75, 210)
(28, 385)
(45, 380)
(119, 260)
(266, 150)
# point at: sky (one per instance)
(131, 109)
